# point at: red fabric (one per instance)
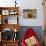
(29, 33)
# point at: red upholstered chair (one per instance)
(28, 34)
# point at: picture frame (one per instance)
(13, 12)
(5, 12)
(29, 13)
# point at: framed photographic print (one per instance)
(29, 13)
(5, 12)
(13, 12)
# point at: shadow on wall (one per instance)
(37, 29)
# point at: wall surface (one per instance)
(32, 4)
(27, 4)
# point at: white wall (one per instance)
(32, 4)
(27, 4)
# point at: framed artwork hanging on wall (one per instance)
(29, 13)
